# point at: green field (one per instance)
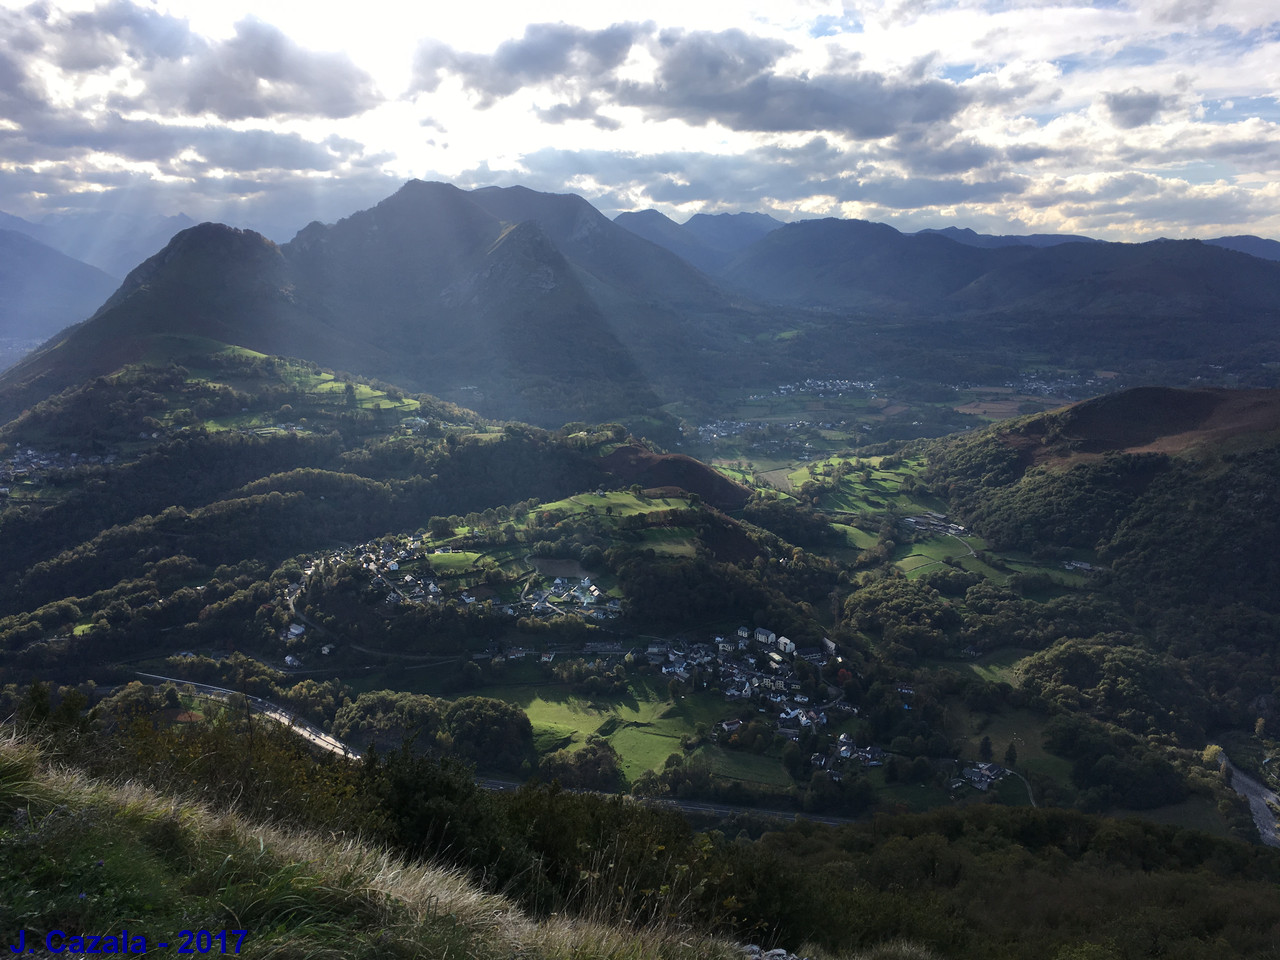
(747, 767)
(1000, 666)
(644, 727)
(1023, 728)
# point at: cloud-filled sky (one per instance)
(1125, 120)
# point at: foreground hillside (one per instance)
(98, 859)
(552, 874)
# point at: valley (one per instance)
(484, 486)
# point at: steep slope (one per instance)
(211, 281)
(464, 300)
(612, 255)
(708, 241)
(731, 232)
(426, 290)
(42, 290)
(665, 232)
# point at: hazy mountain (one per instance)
(665, 232)
(115, 243)
(42, 290)
(1254, 246)
(535, 306)
(856, 262)
(427, 289)
(730, 232)
(708, 241)
(966, 236)
(848, 263)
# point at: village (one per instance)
(754, 667)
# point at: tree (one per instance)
(1011, 756)
(984, 749)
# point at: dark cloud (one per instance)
(99, 37)
(258, 73)
(727, 77)
(548, 52)
(942, 151)
(70, 137)
(584, 109)
(1136, 108)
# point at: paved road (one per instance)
(268, 709)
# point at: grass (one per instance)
(1023, 728)
(752, 768)
(90, 856)
(644, 727)
(1000, 666)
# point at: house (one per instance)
(731, 726)
(296, 630)
(828, 646)
(785, 645)
(765, 636)
(744, 633)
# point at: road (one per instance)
(272, 710)
(1258, 796)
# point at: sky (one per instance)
(1119, 120)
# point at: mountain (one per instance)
(730, 232)
(833, 262)
(1163, 309)
(969, 237)
(665, 232)
(534, 306)
(521, 304)
(1254, 246)
(708, 241)
(42, 290)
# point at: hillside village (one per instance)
(754, 667)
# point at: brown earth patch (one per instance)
(1148, 420)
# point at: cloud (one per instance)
(728, 77)
(258, 73)
(159, 65)
(1136, 108)
(547, 53)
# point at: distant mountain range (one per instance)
(42, 291)
(535, 306)
(708, 241)
(114, 243)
